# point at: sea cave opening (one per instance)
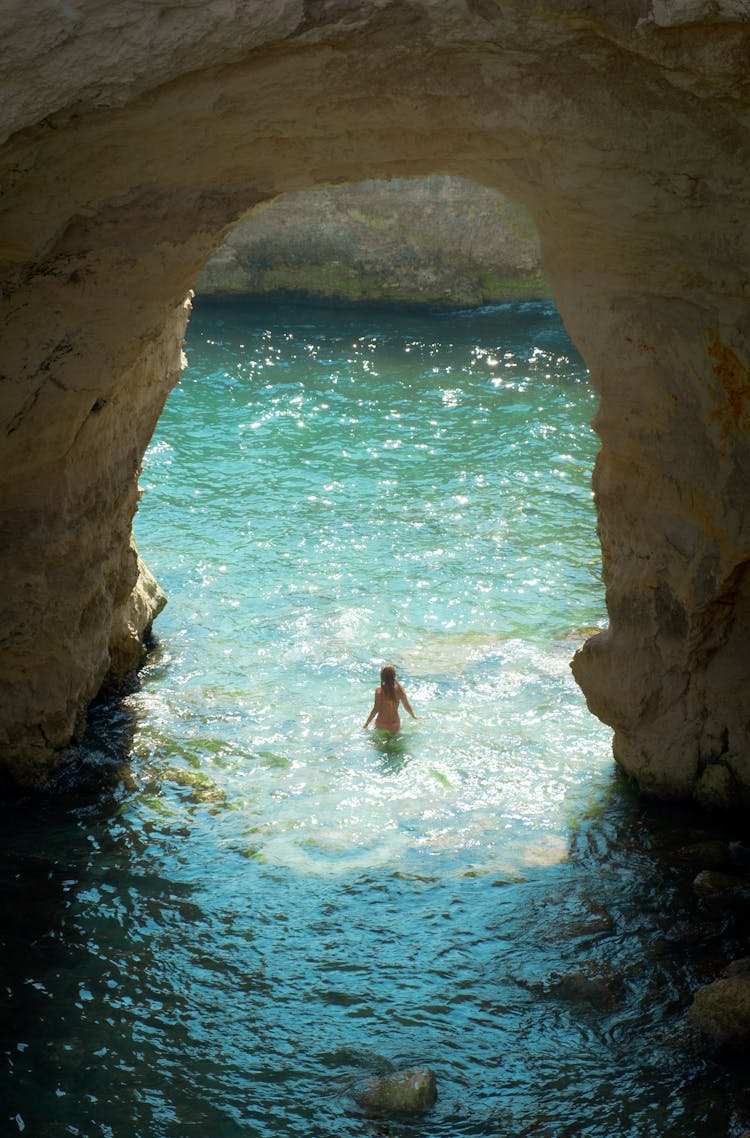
(262, 920)
(331, 486)
(280, 910)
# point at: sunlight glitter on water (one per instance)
(345, 517)
(271, 906)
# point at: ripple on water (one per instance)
(273, 905)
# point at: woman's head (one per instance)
(388, 678)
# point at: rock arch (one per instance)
(136, 135)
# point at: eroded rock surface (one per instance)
(409, 1092)
(720, 1012)
(433, 241)
(137, 135)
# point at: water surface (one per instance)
(271, 905)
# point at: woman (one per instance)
(387, 698)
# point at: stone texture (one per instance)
(434, 241)
(709, 853)
(136, 136)
(720, 1012)
(412, 1091)
(721, 888)
(132, 618)
(592, 985)
(76, 599)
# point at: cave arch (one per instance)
(133, 147)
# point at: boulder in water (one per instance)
(597, 987)
(710, 853)
(412, 1091)
(715, 887)
(720, 1012)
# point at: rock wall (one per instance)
(135, 136)
(434, 241)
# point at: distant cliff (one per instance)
(437, 241)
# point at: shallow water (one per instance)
(270, 905)
(331, 491)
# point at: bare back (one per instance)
(385, 707)
(387, 718)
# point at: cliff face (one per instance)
(436, 241)
(136, 135)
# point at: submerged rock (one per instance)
(202, 788)
(599, 988)
(412, 1091)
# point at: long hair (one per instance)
(388, 680)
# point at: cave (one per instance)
(133, 141)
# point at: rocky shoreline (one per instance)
(438, 241)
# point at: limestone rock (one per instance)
(133, 619)
(134, 140)
(412, 1091)
(674, 13)
(436, 241)
(714, 787)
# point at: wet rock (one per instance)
(600, 988)
(720, 1013)
(739, 967)
(710, 854)
(412, 1091)
(711, 885)
(687, 933)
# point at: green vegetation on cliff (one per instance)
(434, 241)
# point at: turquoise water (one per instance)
(268, 905)
(329, 493)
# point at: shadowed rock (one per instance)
(599, 988)
(131, 147)
(720, 1013)
(722, 888)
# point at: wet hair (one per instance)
(388, 680)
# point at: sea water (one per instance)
(329, 493)
(273, 906)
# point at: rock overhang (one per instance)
(134, 145)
